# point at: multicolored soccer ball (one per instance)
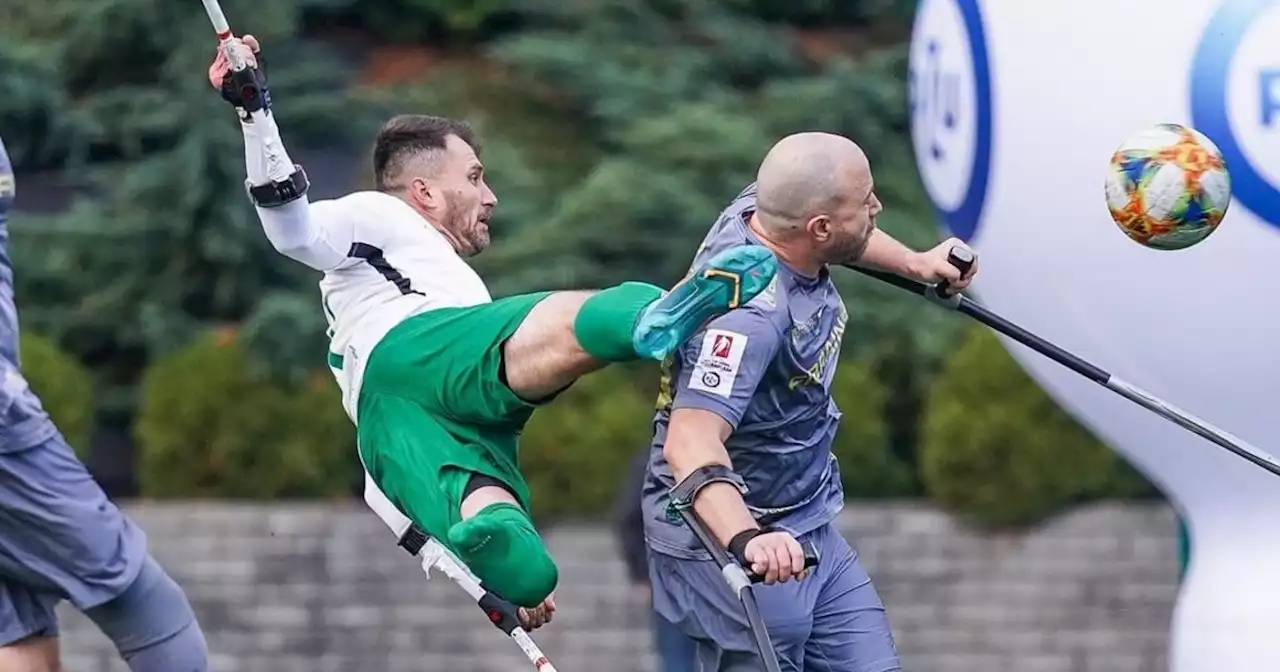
(1168, 187)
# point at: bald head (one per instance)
(807, 175)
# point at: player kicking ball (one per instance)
(438, 378)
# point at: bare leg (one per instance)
(34, 654)
(570, 334)
(544, 356)
(483, 497)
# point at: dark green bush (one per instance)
(208, 426)
(998, 451)
(64, 385)
(869, 468)
(575, 451)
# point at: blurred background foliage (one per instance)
(614, 131)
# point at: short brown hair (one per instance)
(407, 135)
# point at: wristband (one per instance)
(738, 544)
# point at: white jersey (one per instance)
(382, 263)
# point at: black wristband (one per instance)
(738, 545)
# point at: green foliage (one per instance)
(284, 337)
(998, 451)
(418, 21)
(208, 427)
(163, 233)
(64, 385)
(575, 451)
(869, 469)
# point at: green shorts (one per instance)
(433, 409)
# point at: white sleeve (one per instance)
(317, 235)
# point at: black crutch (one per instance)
(963, 259)
(740, 580)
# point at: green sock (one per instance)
(607, 321)
(501, 547)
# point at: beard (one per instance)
(850, 249)
(472, 235)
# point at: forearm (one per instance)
(290, 227)
(265, 157)
(719, 505)
(885, 253)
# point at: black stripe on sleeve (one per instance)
(375, 258)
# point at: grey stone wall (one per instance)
(321, 588)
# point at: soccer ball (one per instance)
(1168, 187)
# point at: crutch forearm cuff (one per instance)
(684, 492)
(276, 194)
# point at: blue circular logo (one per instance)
(1211, 79)
(949, 82)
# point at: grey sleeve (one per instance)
(720, 371)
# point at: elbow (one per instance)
(294, 249)
(673, 455)
(676, 449)
(289, 228)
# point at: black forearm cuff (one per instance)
(276, 194)
(684, 492)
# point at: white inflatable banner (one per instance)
(1017, 107)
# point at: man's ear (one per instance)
(820, 228)
(424, 193)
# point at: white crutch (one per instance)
(501, 614)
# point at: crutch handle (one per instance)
(962, 259)
(811, 558)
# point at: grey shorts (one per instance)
(60, 539)
(833, 621)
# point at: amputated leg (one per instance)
(498, 542)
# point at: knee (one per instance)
(153, 621)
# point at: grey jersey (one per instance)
(766, 369)
(23, 422)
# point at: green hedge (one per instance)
(207, 426)
(998, 451)
(575, 451)
(64, 385)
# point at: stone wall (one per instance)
(321, 588)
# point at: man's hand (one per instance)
(247, 47)
(776, 556)
(931, 266)
(532, 619)
(245, 90)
